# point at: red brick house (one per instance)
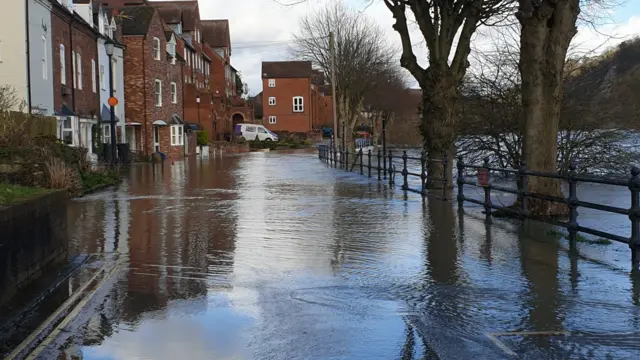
(74, 57)
(153, 82)
(292, 100)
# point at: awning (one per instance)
(132, 123)
(105, 114)
(192, 126)
(160, 123)
(177, 120)
(65, 111)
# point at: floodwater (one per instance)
(278, 256)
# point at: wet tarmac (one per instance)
(277, 256)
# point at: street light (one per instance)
(109, 47)
(198, 102)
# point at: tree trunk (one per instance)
(438, 128)
(544, 40)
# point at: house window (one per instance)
(63, 66)
(68, 129)
(272, 119)
(298, 104)
(272, 100)
(156, 48)
(174, 93)
(79, 67)
(45, 72)
(73, 69)
(272, 82)
(93, 75)
(177, 138)
(103, 84)
(113, 73)
(158, 93)
(106, 134)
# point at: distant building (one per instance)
(153, 83)
(293, 97)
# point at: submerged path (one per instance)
(277, 256)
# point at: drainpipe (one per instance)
(73, 61)
(26, 8)
(144, 94)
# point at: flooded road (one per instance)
(277, 256)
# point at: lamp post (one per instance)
(109, 47)
(198, 102)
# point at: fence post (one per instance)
(369, 162)
(361, 162)
(573, 207)
(423, 173)
(634, 216)
(391, 174)
(379, 168)
(335, 156)
(346, 159)
(522, 189)
(405, 171)
(487, 192)
(460, 165)
(445, 163)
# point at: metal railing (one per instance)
(385, 167)
(521, 210)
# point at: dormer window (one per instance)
(171, 49)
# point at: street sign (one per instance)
(483, 177)
(112, 101)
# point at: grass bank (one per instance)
(15, 194)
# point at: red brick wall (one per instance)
(286, 119)
(325, 112)
(77, 37)
(141, 71)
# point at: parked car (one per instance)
(250, 131)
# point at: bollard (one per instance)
(460, 165)
(523, 186)
(379, 168)
(445, 163)
(369, 162)
(487, 192)
(572, 201)
(405, 172)
(423, 173)
(634, 216)
(361, 162)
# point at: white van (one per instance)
(250, 131)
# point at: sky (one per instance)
(262, 30)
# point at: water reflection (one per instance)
(271, 255)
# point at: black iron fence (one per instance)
(385, 166)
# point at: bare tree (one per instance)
(361, 54)
(447, 28)
(386, 100)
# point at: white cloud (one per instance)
(261, 30)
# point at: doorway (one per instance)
(156, 138)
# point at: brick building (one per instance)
(153, 82)
(76, 99)
(292, 97)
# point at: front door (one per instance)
(156, 138)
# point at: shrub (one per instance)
(308, 142)
(99, 177)
(202, 138)
(61, 176)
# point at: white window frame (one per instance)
(298, 104)
(174, 93)
(73, 130)
(93, 76)
(73, 68)
(79, 68)
(156, 48)
(45, 62)
(272, 83)
(272, 100)
(113, 72)
(272, 119)
(158, 92)
(177, 135)
(106, 134)
(63, 66)
(103, 83)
